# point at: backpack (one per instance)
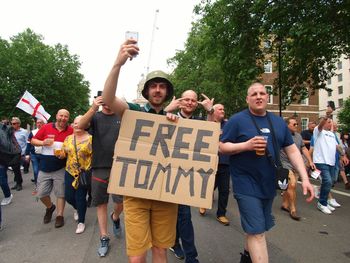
(10, 151)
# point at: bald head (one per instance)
(253, 86)
(62, 118)
(257, 99)
(189, 93)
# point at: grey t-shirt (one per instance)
(104, 130)
(298, 140)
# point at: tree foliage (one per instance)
(224, 51)
(344, 116)
(50, 74)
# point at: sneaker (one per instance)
(19, 187)
(48, 214)
(323, 209)
(7, 200)
(116, 226)
(333, 203)
(104, 246)
(80, 228)
(223, 220)
(331, 208)
(75, 215)
(245, 257)
(59, 221)
(178, 252)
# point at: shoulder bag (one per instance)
(84, 175)
(281, 180)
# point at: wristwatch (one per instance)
(211, 110)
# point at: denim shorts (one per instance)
(256, 214)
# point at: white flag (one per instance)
(31, 105)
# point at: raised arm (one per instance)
(127, 50)
(85, 120)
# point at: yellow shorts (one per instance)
(148, 223)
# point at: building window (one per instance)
(340, 103)
(268, 66)
(267, 44)
(304, 101)
(269, 90)
(304, 123)
(340, 65)
(329, 93)
(340, 90)
(340, 77)
(329, 81)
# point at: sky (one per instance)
(94, 30)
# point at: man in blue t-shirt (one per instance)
(253, 175)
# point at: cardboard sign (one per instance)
(168, 161)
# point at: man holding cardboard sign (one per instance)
(152, 223)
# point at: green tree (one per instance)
(344, 116)
(50, 74)
(225, 52)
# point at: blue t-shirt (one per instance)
(252, 174)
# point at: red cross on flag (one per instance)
(31, 105)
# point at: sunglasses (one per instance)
(13, 123)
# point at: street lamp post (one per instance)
(279, 76)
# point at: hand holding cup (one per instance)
(260, 145)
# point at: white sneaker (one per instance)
(324, 209)
(331, 208)
(75, 215)
(333, 203)
(80, 228)
(7, 200)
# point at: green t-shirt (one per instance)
(147, 108)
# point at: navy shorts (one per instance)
(256, 214)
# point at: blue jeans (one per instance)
(35, 158)
(184, 230)
(327, 175)
(4, 182)
(75, 197)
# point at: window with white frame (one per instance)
(329, 81)
(340, 65)
(304, 123)
(268, 66)
(340, 103)
(269, 90)
(304, 101)
(329, 93)
(340, 90)
(340, 77)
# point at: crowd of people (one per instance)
(60, 152)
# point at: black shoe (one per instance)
(32, 180)
(48, 214)
(19, 187)
(245, 257)
(14, 187)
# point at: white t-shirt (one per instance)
(324, 147)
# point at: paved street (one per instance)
(317, 238)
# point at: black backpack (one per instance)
(10, 151)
